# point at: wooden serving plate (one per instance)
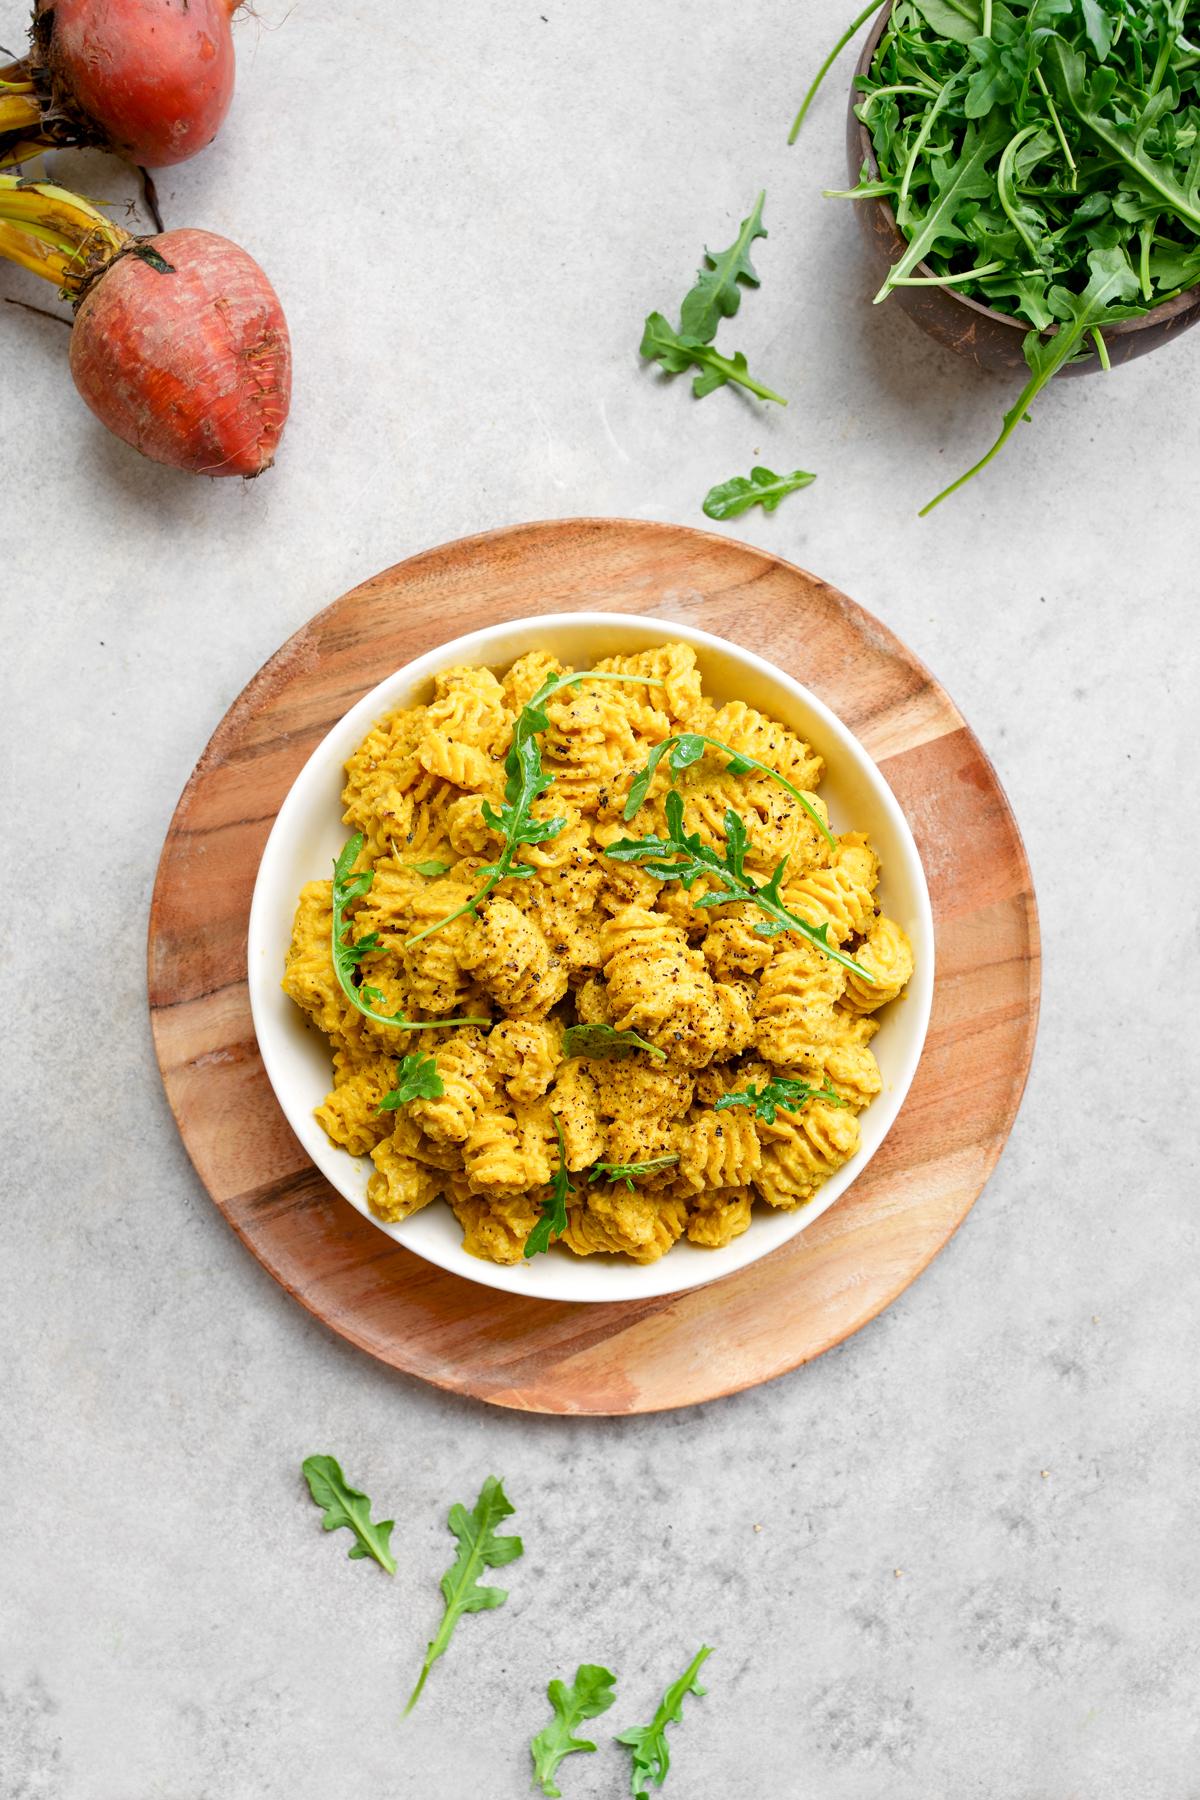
(646, 1355)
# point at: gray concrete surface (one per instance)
(976, 1575)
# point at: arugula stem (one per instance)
(867, 12)
(922, 138)
(1006, 188)
(1101, 347)
(705, 354)
(1066, 148)
(947, 280)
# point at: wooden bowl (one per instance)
(989, 338)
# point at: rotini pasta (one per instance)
(727, 1059)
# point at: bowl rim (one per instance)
(265, 932)
(1164, 309)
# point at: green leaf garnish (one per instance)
(683, 856)
(553, 1221)
(525, 782)
(591, 1693)
(762, 487)
(347, 1506)
(651, 1751)
(676, 351)
(347, 888)
(717, 293)
(778, 1092)
(605, 1044)
(432, 868)
(417, 1078)
(478, 1549)
(615, 1172)
(686, 748)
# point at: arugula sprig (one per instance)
(779, 1091)
(417, 1078)
(553, 1221)
(762, 487)
(616, 1172)
(686, 748)
(676, 351)
(605, 1043)
(651, 1751)
(717, 291)
(479, 1548)
(715, 295)
(1041, 157)
(349, 1507)
(525, 782)
(347, 955)
(591, 1693)
(683, 856)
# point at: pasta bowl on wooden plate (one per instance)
(309, 834)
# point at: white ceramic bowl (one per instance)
(308, 834)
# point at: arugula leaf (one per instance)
(676, 352)
(686, 748)
(683, 856)
(956, 182)
(553, 1221)
(590, 1694)
(617, 1172)
(779, 1091)
(347, 888)
(1125, 142)
(478, 1549)
(1112, 284)
(525, 782)
(651, 1751)
(432, 868)
(605, 1044)
(960, 20)
(417, 1078)
(347, 1506)
(717, 294)
(760, 488)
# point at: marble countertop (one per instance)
(953, 1559)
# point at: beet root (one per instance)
(150, 78)
(190, 364)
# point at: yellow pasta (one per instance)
(642, 1148)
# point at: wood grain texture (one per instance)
(677, 1350)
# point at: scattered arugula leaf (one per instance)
(432, 868)
(683, 856)
(686, 748)
(553, 1221)
(591, 1693)
(676, 351)
(525, 782)
(347, 955)
(779, 1091)
(717, 293)
(616, 1172)
(762, 487)
(1040, 156)
(651, 1751)
(478, 1549)
(417, 1078)
(347, 1506)
(605, 1044)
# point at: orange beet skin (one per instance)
(154, 78)
(193, 368)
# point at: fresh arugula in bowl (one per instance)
(1040, 156)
